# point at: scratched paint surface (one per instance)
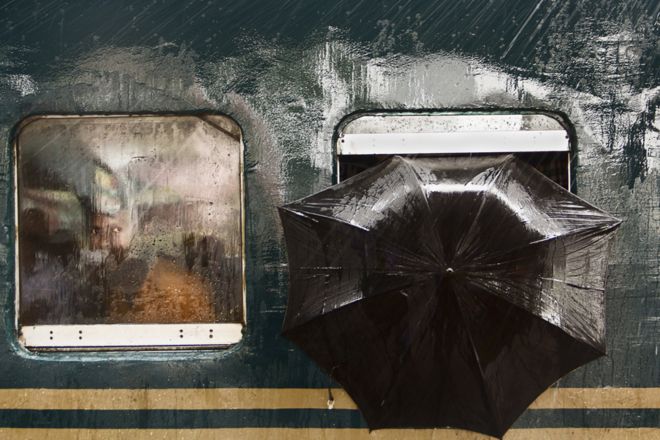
(288, 72)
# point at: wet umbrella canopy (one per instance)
(447, 292)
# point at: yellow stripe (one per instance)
(325, 434)
(580, 398)
(205, 398)
(278, 398)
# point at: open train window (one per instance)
(130, 232)
(540, 139)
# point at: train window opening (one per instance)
(539, 139)
(130, 232)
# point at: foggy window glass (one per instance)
(129, 220)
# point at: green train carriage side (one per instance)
(286, 75)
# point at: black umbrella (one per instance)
(446, 292)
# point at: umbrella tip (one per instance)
(449, 271)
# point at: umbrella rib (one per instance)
(482, 281)
(506, 292)
(520, 306)
(314, 215)
(489, 399)
(460, 246)
(577, 286)
(405, 254)
(414, 260)
(420, 331)
(402, 252)
(597, 230)
(440, 254)
(399, 251)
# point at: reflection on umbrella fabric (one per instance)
(447, 292)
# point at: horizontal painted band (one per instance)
(297, 418)
(130, 335)
(278, 398)
(326, 434)
(454, 142)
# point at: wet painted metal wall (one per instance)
(288, 72)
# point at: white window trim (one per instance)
(454, 143)
(129, 335)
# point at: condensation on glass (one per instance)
(539, 139)
(130, 231)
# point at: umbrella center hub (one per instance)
(449, 271)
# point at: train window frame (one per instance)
(539, 138)
(117, 336)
